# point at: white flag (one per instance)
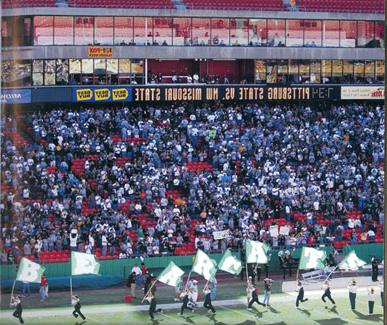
(312, 258)
(82, 263)
(230, 263)
(256, 252)
(351, 262)
(29, 271)
(204, 266)
(171, 275)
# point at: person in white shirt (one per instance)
(327, 292)
(371, 300)
(352, 293)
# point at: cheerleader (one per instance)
(152, 305)
(185, 299)
(207, 300)
(327, 292)
(16, 302)
(76, 302)
(300, 296)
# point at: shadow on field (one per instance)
(247, 322)
(305, 311)
(330, 321)
(280, 323)
(374, 317)
(273, 310)
(215, 322)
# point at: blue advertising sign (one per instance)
(15, 96)
(102, 94)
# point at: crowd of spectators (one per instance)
(316, 169)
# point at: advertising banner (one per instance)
(99, 52)
(105, 94)
(362, 92)
(15, 96)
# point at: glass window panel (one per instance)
(369, 68)
(294, 32)
(220, 32)
(62, 72)
(315, 72)
(49, 66)
(337, 68)
(304, 71)
(37, 79)
(84, 30)
(37, 65)
(365, 34)
(239, 32)
(63, 30)
(379, 34)
(331, 33)
(282, 67)
(260, 71)
(276, 32)
(43, 30)
(4, 27)
(49, 79)
(137, 66)
(347, 71)
(379, 70)
(182, 31)
(103, 31)
(257, 32)
(162, 31)
(99, 66)
(112, 66)
(75, 66)
(347, 33)
(293, 71)
(312, 33)
(271, 72)
(200, 31)
(359, 71)
(326, 71)
(123, 30)
(87, 65)
(143, 31)
(124, 66)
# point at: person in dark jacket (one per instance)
(254, 296)
(300, 296)
(16, 302)
(152, 305)
(207, 300)
(375, 269)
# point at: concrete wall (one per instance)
(203, 52)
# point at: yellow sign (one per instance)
(101, 94)
(100, 52)
(84, 94)
(120, 94)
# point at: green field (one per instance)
(282, 311)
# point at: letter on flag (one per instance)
(312, 258)
(230, 264)
(351, 262)
(29, 271)
(256, 252)
(82, 263)
(204, 266)
(171, 275)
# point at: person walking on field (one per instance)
(327, 292)
(254, 296)
(184, 296)
(352, 294)
(76, 302)
(207, 300)
(152, 305)
(268, 283)
(16, 302)
(300, 296)
(371, 300)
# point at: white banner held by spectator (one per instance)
(273, 231)
(284, 230)
(220, 234)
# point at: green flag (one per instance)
(351, 262)
(82, 263)
(256, 252)
(204, 266)
(29, 271)
(172, 275)
(312, 258)
(230, 264)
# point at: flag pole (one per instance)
(247, 284)
(71, 288)
(331, 273)
(13, 288)
(186, 283)
(154, 282)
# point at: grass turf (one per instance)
(282, 311)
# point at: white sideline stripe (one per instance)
(114, 308)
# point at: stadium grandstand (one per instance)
(148, 131)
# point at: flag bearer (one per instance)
(327, 292)
(76, 302)
(184, 296)
(152, 305)
(352, 293)
(300, 296)
(16, 302)
(207, 300)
